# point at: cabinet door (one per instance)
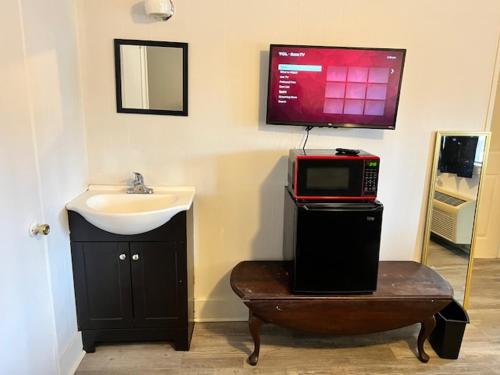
(102, 284)
(154, 282)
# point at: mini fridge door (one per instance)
(337, 247)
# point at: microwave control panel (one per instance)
(370, 178)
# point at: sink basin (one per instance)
(110, 208)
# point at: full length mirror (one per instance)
(151, 77)
(457, 176)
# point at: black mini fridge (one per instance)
(334, 247)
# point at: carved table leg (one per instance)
(254, 323)
(425, 331)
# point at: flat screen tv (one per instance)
(334, 86)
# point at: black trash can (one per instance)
(446, 338)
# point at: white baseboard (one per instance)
(72, 356)
(220, 310)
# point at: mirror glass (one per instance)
(453, 200)
(151, 77)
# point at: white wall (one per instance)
(52, 104)
(165, 85)
(465, 186)
(236, 162)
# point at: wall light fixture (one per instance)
(161, 10)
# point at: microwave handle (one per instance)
(307, 208)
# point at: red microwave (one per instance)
(323, 175)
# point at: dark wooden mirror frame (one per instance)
(120, 108)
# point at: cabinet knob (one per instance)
(135, 257)
(122, 257)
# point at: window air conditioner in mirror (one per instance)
(452, 216)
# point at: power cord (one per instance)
(308, 129)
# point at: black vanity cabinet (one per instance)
(133, 287)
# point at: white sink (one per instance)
(110, 208)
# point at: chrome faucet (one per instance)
(138, 186)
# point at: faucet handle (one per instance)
(138, 179)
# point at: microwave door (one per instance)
(342, 178)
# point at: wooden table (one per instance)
(407, 293)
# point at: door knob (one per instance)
(43, 229)
(122, 257)
(135, 257)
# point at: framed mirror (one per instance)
(151, 77)
(458, 170)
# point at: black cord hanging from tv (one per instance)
(308, 129)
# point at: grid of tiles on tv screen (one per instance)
(356, 90)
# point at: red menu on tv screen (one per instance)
(334, 86)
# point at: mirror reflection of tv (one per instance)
(334, 86)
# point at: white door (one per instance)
(488, 220)
(134, 68)
(27, 332)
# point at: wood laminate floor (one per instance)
(222, 348)
(451, 264)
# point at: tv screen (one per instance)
(334, 86)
